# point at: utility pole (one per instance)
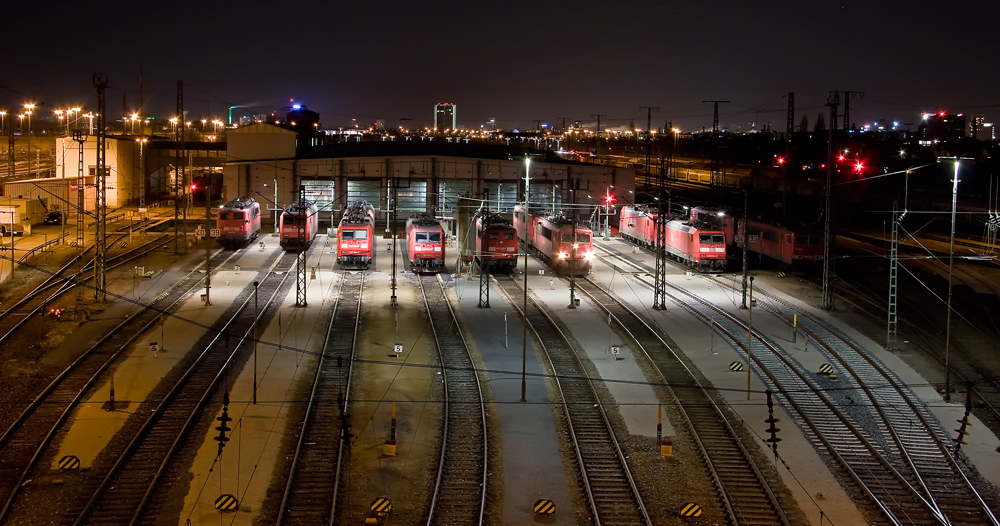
(100, 261)
(208, 245)
(660, 277)
(649, 129)
(392, 232)
(891, 321)
(178, 152)
(789, 131)
(716, 172)
(597, 136)
(81, 218)
(746, 239)
(827, 302)
(300, 259)
(848, 95)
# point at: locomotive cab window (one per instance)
(788, 239)
(508, 236)
(420, 237)
(223, 215)
(238, 216)
(435, 237)
(354, 234)
(495, 235)
(718, 238)
(580, 238)
(704, 238)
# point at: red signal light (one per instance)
(858, 167)
(781, 160)
(841, 158)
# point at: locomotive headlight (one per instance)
(588, 255)
(576, 246)
(562, 255)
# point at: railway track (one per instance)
(895, 493)
(610, 489)
(311, 492)
(57, 284)
(460, 487)
(744, 493)
(906, 420)
(968, 369)
(123, 490)
(25, 440)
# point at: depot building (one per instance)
(420, 175)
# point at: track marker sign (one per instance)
(826, 369)
(226, 502)
(381, 505)
(545, 507)
(69, 462)
(736, 366)
(691, 510)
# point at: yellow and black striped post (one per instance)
(690, 510)
(226, 502)
(69, 462)
(381, 505)
(545, 507)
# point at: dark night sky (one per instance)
(514, 61)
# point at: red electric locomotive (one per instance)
(301, 212)
(553, 238)
(786, 245)
(496, 242)
(425, 244)
(356, 236)
(694, 243)
(238, 222)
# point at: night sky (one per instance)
(515, 61)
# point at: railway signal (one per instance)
(773, 440)
(960, 439)
(223, 428)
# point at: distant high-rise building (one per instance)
(444, 116)
(980, 129)
(942, 127)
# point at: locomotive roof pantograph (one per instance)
(240, 203)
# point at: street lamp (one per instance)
(951, 268)
(142, 173)
(28, 107)
(59, 115)
(75, 119)
(749, 336)
(524, 322)
(173, 125)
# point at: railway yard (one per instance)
(426, 400)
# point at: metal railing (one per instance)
(31, 252)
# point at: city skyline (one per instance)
(546, 64)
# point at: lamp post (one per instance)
(142, 173)
(524, 322)
(255, 342)
(749, 337)
(28, 107)
(951, 268)
(59, 115)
